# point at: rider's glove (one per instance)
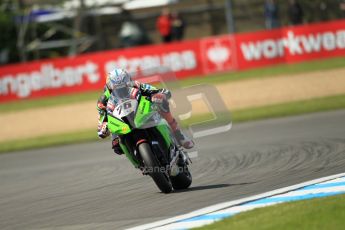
(101, 108)
(116, 146)
(102, 130)
(158, 98)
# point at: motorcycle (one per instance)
(147, 140)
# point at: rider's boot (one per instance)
(183, 139)
(116, 145)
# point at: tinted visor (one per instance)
(121, 92)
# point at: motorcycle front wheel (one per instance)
(154, 169)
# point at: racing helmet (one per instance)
(117, 80)
(117, 77)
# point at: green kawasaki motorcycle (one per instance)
(147, 140)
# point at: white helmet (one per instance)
(117, 77)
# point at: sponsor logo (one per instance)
(113, 123)
(148, 64)
(48, 77)
(219, 54)
(293, 45)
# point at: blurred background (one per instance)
(259, 59)
(37, 29)
(297, 46)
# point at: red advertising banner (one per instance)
(189, 58)
(291, 44)
(87, 72)
(218, 54)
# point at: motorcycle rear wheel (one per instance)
(182, 180)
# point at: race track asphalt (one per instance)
(86, 186)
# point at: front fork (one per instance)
(177, 154)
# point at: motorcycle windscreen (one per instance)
(146, 115)
(141, 116)
(119, 104)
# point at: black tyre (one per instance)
(150, 161)
(183, 180)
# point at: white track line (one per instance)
(312, 191)
(225, 205)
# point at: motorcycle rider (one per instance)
(118, 77)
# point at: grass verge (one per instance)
(272, 71)
(48, 101)
(282, 69)
(281, 110)
(290, 108)
(320, 213)
(49, 141)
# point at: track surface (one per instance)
(87, 187)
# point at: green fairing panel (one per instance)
(117, 126)
(143, 112)
(107, 93)
(129, 156)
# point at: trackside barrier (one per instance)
(190, 58)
